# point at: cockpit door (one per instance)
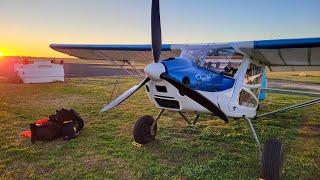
(245, 98)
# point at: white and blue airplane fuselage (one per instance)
(216, 86)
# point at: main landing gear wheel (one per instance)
(272, 160)
(142, 130)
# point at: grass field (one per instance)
(211, 149)
(309, 77)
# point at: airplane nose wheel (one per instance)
(145, 129)
(142, 130)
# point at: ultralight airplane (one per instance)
(196, 78)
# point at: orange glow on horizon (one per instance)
(31, 50)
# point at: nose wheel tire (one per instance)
(142, 130)
(272, 160)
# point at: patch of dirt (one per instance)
(307, 141)
(94, 160)
(309, 130)
(312, 128)
(318, 160)
(123, 130)
(123, 172)
(161, 155)
(22, 167)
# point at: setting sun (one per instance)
(1, 54)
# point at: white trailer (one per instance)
(40, 72)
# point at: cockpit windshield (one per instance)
(218, 58)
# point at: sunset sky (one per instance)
(27, 27)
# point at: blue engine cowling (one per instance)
(197, 78)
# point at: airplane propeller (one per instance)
(157, 72)
(156, 31)
(124, 96)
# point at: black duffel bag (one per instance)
(64, 123)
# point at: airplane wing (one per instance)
(284, 54)
(137, 53)
(280, 55)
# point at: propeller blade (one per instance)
(124, 96)
(156, 30)
(196, 96)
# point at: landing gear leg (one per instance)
(187, 120)
(152, 130)
(254, 134)
(271, 156)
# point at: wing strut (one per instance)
(292, 107)
(297, 106)
(121, 66)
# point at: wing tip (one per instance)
(53, 46)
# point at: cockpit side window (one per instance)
(254, 74)
(246, 99)
(226, 61)
(218, 58)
